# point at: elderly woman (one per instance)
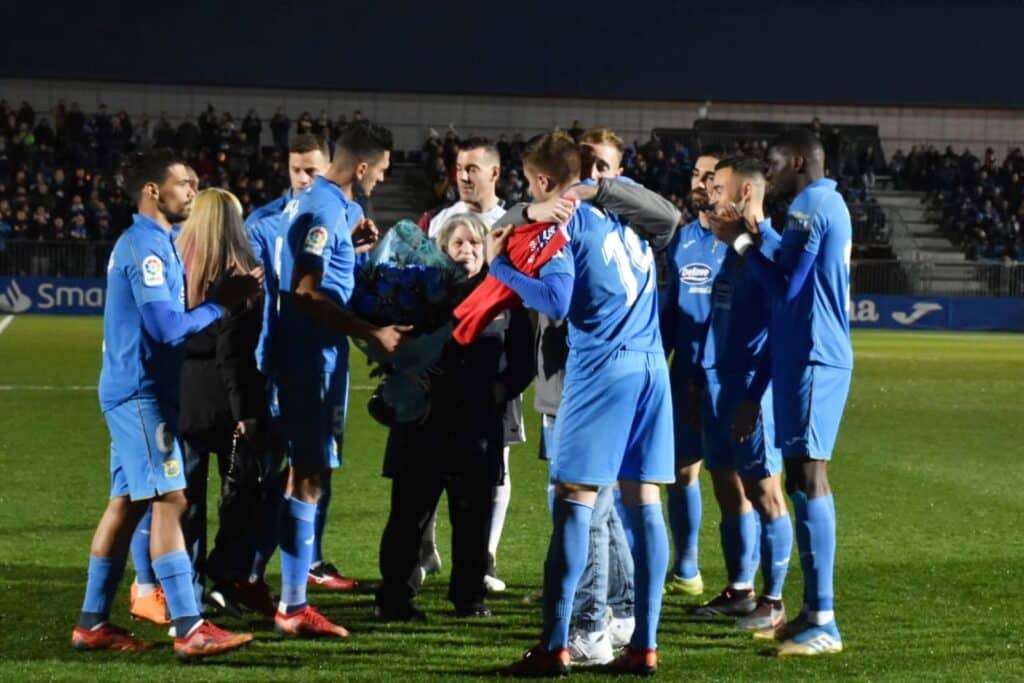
(456, 449)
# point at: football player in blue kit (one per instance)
(145, 322)
(693, 259)
(739, 436)
(309, 347)
(308, 157)
(812, 362)
(615, 419)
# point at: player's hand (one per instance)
(497, 241)
(556, 210)
(389, 337)
(727, 223)
(745, 420)
(581, 192)
(235, 289)
(365, 235)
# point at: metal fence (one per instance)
(89, 259)
(55, 259)
(937, 279)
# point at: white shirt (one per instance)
(489, 217)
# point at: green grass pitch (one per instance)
(928, 479)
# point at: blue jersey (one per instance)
(740, 312)
(266, 227)
(318, 236)
(814, 327)
(694, 258)
(614, 304)
(143, 268)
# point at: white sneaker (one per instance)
(494, 584)
(590, 648)
(620, 631)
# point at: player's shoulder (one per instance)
(272, 208)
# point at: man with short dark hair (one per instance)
(477, 170)
(738, 424)
(693, 260)
(145, 321)
(315, 264)
(812, 361)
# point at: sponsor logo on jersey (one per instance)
(316, 240)
(695, 274)
(152, 271)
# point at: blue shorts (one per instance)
(757, 457)
(312, 414)
(615, 423)
(809, 403)
(145, 457)
(689, 445)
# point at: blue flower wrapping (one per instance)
(407, 280)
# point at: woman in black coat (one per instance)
(224, 408)
(456, 449)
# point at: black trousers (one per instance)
(240, 508)
(414, 498)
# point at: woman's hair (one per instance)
(213, 242)
(473, 223)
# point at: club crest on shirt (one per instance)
(171, 468)
(316, 240)
(797, 220)
(152, 271)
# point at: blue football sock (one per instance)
(321, 522)
(174, 570)
(750, 554)
(755, 547)
(140, 550)
(816, 538)
(297, 538)
(685, 509)
(104, 576)
(739, 540)
(650, 561)
(777, 542)
(566, 560)
(621, 509)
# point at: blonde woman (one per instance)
(456, 449)
(223, 404)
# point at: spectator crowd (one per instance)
(978, 202)
(58, 170)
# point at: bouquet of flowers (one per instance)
(407, 280)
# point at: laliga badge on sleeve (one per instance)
(152, 271)
(316, 240)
